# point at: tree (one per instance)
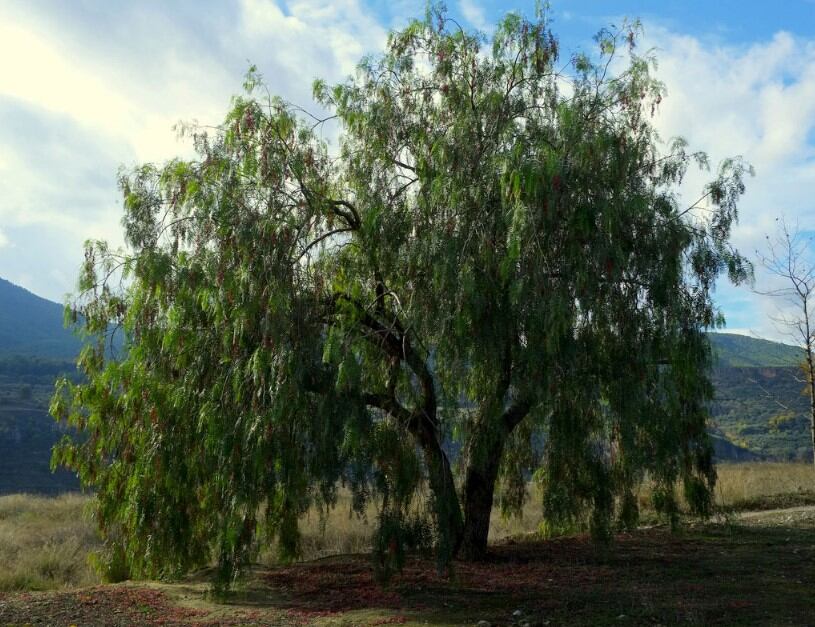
(493, 262)
(789, 256)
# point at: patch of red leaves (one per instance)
(151, 604)
(348, 583)
(538, 573)
(391, 620)
(336, 587)
(103, 605)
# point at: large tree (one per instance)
(492, 262)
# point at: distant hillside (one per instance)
(741, 351)
(26, 437)
(32, 326)
(27, 431)
(763, 410)
(35, 348)
(760, 403)
(725, 450)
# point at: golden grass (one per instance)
(344, 532)
(740, 483)
(739, 486)
(341, 532)
(45, 541)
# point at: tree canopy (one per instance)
(490, 275)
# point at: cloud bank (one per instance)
(758, 102)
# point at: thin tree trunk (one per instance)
(422, 423)
(812, 416)
(810, 363)
(811, 385)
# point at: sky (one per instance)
(90, 86)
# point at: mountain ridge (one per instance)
(731, 350)
(32, 326)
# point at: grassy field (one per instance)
(764, 485)
(648, 577)
(45, 541)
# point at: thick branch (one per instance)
(515, 413)
(389, 404)
(348, 212)
(320, 380)
(397, 344)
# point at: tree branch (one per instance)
(322, 237)
(397, 344)
(515, 413)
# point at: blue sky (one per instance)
(89, 86)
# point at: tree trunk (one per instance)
(811, 384)
(446, 507)
(812, 415)
(479, 490)
(484, 452)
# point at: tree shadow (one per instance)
(709, 575)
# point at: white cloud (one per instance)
(3, 240)
(475, 15)
(45, 76)
(313, 39)
(72, 114)
(112, 98)
(83, 92)
(758, 102)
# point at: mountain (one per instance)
(740, 351)
(760, 403)
(33, 326)
(725, 450)
(27, 431)
(35, 348)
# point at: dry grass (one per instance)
(45, 541)
(528, 522)
(344, 532)
(747, 482)
(759, 485)
(340, 532)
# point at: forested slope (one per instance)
(760, 400)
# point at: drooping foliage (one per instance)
(493, 261)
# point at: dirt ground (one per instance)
(753, 569)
